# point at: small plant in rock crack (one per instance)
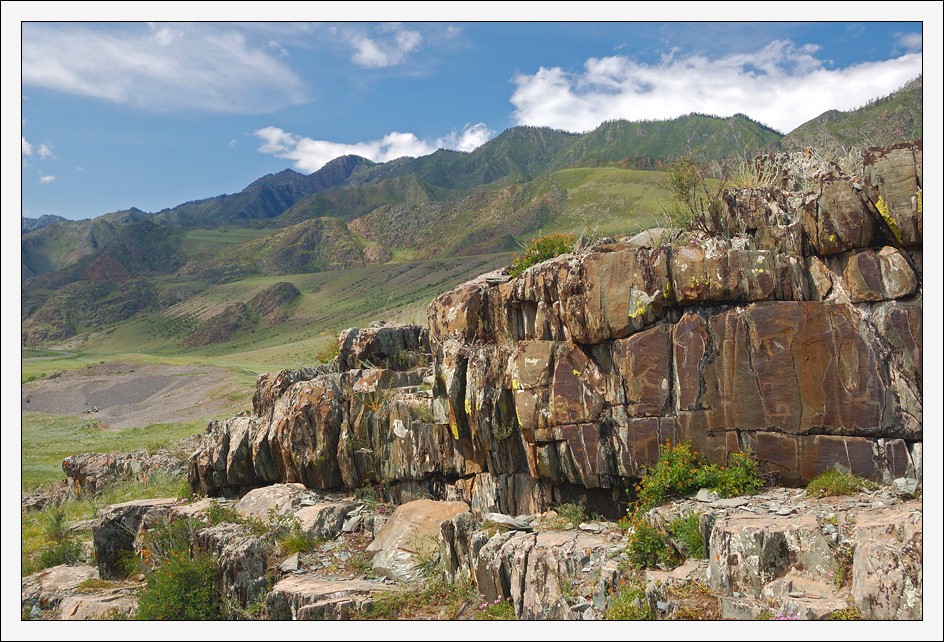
(685, 531)
(540, 249)
(629, 602)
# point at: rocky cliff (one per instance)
(791, 326)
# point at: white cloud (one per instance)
(279, 49)
(27, 149)
(44, 151)
(470, 138)
(390, 47)
(45, 179)
(911, 42)
(782, 85)
(199, 66)
(310, 155)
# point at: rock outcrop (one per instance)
(791, 327)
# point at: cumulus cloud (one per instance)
(44, 151)
(470, 138)
(389, 47)
(782, 85)
(46, 179)
(200, 66)
(310, 155)
(27, 149)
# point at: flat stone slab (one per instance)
(294, 597)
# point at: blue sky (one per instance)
(152, 114)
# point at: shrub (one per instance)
(850, 613)
(567, 514)
(629, 602)
(681, 471)
(541, 249)
(219, 512)
(182, 588)
(685, 532)
(328, 353)
(170, 537)
(647, 548)
(835, 482)
(693, 201)
(298, 540)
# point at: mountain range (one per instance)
(82, 275)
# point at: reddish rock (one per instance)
(842, 220)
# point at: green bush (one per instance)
(629, 603)
(222, 512)
(685, 532)
(681, 471)
(647, 548)
(170, 537)
(695, 196)
(298, 540)
(541, 249)
(835, 482)
(182, 588)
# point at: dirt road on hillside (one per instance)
(125, 396)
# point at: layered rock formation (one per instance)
(791, 327)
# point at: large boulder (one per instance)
(407, 545)
(115, 533)
(45, 589)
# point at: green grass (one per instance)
(48, 439)
(329, 303)
(34, 527)
(835, 482)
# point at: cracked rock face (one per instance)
(791, 327)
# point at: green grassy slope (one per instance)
(886, 121)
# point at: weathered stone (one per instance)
(894, 177)
(720, 273)
(459, 545)
(289, 564)
(842, 220)
(324, 520)
(306, 597)
(887, 571)
(534, 570)
(507, 522)
(45, 589)
(271, 386)
(509, 494)
(92, 472)
(410, 535)
(270, 501)
(102, 605)
(396, 347)
(242, 559)
(114, 534)
(642, 361)
(877, 276)
(746, 552)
